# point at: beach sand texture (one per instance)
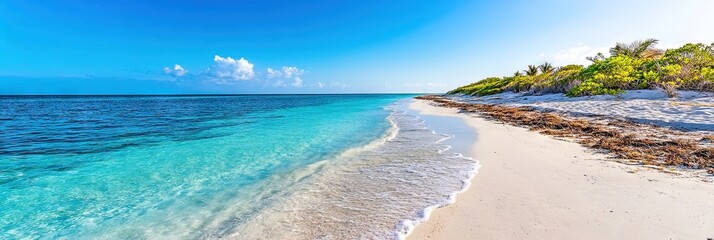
(691, 111)
(531, 186)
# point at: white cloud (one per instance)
(574, 55)
(226, 70)
(298, 82)
(176, 71)
(289, 72)
(230, 69)
(320, 85)
(286, 73)
(272, 73)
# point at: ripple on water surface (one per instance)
(245, 167)
(377, 191)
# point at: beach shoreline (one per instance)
(537, 187)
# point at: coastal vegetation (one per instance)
(630, 66)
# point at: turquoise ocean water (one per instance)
(197, 167)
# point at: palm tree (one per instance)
(596, 58)
(636, 49)
(653, 53)
(532, 70)
(517, 74)
(546, 67)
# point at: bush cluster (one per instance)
(637, 65)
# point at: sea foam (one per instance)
(377, 191)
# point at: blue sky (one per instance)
(114, 47)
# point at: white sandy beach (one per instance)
(531, 186)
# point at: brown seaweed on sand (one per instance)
(644, 143)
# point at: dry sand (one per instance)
(691, 111)
(531, 186)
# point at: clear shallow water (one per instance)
(321, 166)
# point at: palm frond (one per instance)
(532, 70)
(639, 47)
(598, 57)
(653, 53)
(634, 49)
(619, 49)
(546, 67)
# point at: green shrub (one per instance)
(519, 83)
(488, 86)
(708, 74)
(689, 67)
(591, 88)
(620, 72)
(563, 78)
(632, 66)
